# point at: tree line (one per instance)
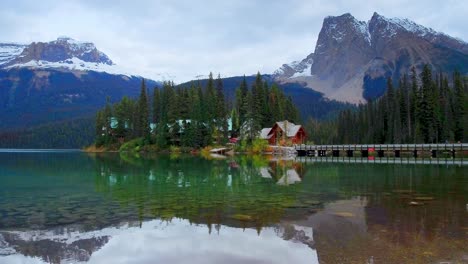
(193, 116)
(74, 133)
(429, 108)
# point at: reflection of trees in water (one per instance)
(230, 192)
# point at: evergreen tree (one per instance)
(414, 107)
(459, 107)
(156, 106)
(426, 106)
(143, 129)
(241, 101)
(221, 115)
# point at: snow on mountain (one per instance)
(9, 51)
(74, 64)
(296, 68)
(395, 24)
(64, 53)
(305, 72)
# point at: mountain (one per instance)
(59, 80)
(65, 53)
(353, 58)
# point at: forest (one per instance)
(193, 116)
(429, 108)
(75, 133)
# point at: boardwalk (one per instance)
(380, 149)
(383, 160)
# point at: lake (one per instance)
(71, 207)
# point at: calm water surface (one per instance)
(107, 208)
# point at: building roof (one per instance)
(265, 133)
(291, 129)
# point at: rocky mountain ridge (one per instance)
(63, 53)
(353, 58)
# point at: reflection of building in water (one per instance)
(291, 177)
(284, 172)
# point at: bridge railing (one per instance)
(388, 147)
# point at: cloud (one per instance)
(188, 38)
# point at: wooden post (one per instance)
(397, 153)
(380, 153)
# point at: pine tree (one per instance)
(426, 106)
(156, 106)
(459, 107)
(404, 115)
(257, 102)
(389, 113)
(414, 107)
(221, 115)
(143, 114)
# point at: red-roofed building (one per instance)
(284, 130)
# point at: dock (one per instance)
(221, 151)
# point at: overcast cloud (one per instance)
(184, 38)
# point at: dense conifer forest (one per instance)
(75, 133)
(429, 108)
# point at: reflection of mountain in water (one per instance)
(53, 248)
(159, 241)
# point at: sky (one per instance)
(185, 39)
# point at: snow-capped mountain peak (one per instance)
(296, 68)
(62, 53)
(353, 57)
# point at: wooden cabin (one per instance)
(284, 130)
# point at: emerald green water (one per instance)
(107, 208)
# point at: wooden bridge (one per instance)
(372, 160)
(380, 149)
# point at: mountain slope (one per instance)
(59, 80)
(352, 58)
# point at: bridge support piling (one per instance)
(380, 153)
(336, 153)
(397, 153)
(349, 153)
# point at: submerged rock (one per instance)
(242, 217)
(344, 214)
(424, 198)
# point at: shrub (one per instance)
(259, 145)
(133, 145)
